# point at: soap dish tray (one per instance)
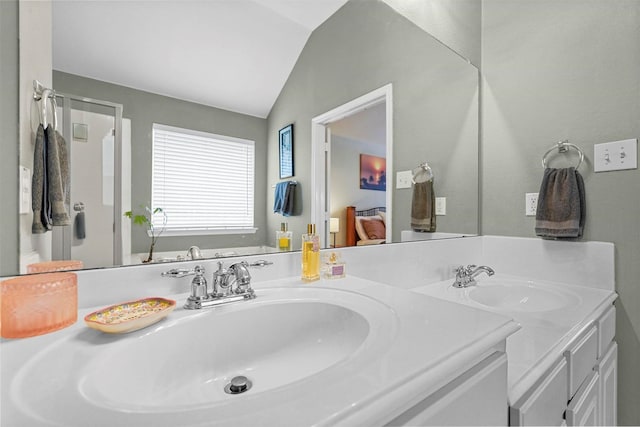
(130, 316)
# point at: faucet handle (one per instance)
(199, 284)
(179, 272)
(460, 270)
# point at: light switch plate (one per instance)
(403, 179)
(25, 190)
(617, 155)
(441, 205)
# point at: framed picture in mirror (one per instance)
(285, 137)
(373, 172)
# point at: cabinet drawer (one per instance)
(606, 330)
(546, 404)
(581, 358)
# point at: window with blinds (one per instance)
(203, 182)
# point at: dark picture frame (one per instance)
(373, 172)
(285, 138)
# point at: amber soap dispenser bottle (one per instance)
(310, 255)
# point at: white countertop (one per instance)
(433, 341)
(544, 335)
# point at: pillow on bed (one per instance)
(374, 228)
(362, 234)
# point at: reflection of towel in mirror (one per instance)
(561, 204)
(80, 226)
(284, 197)
(50, 181)
(58, 177)
(39, 197)
(423, 204)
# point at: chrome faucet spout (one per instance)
(482, 269)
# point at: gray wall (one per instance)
(434, 106)
(457, 23)
(9, 139)
(144, 109)
(558, 70)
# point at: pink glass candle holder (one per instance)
(38, 304)
(51, 266)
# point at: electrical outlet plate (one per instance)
(403, 179)
(530, 204)
(441, 205)
(617, 155)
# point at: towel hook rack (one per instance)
(44, 94)
(563, 147)
(424, 168)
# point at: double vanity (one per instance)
(393, 343)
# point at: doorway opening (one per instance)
(321, 164)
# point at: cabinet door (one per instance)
(478, 397)
(583, 408)
(608, 370)
(545, 405)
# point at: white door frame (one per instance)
(320, 158)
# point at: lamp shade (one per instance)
(334, 225)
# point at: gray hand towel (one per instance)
(80, 226)
(58, 177)
(561, 204)
(423, 203)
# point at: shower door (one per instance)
(92, 130)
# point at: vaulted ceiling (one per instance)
(231, 54)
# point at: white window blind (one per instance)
(203, 182)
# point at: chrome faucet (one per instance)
(194, 253)
(223, 281)
(465, 276)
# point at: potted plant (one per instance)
(146, 219)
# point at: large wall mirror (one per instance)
(346, 50)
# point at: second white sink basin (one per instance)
(521, 297)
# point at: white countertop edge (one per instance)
(424, 383)
(555, 353)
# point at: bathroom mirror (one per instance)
(361, 47)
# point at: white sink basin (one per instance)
(521, 297)
(287, 340)
(271, 344)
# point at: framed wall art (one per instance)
(373, 172)
(285, 138)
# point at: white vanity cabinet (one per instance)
(580, 388)
(477, 397)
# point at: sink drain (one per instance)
(238, 385)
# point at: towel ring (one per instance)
(424, 168)
(563, 147)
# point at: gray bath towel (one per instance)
(561, 204)
(50, 181)
(423, 204)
